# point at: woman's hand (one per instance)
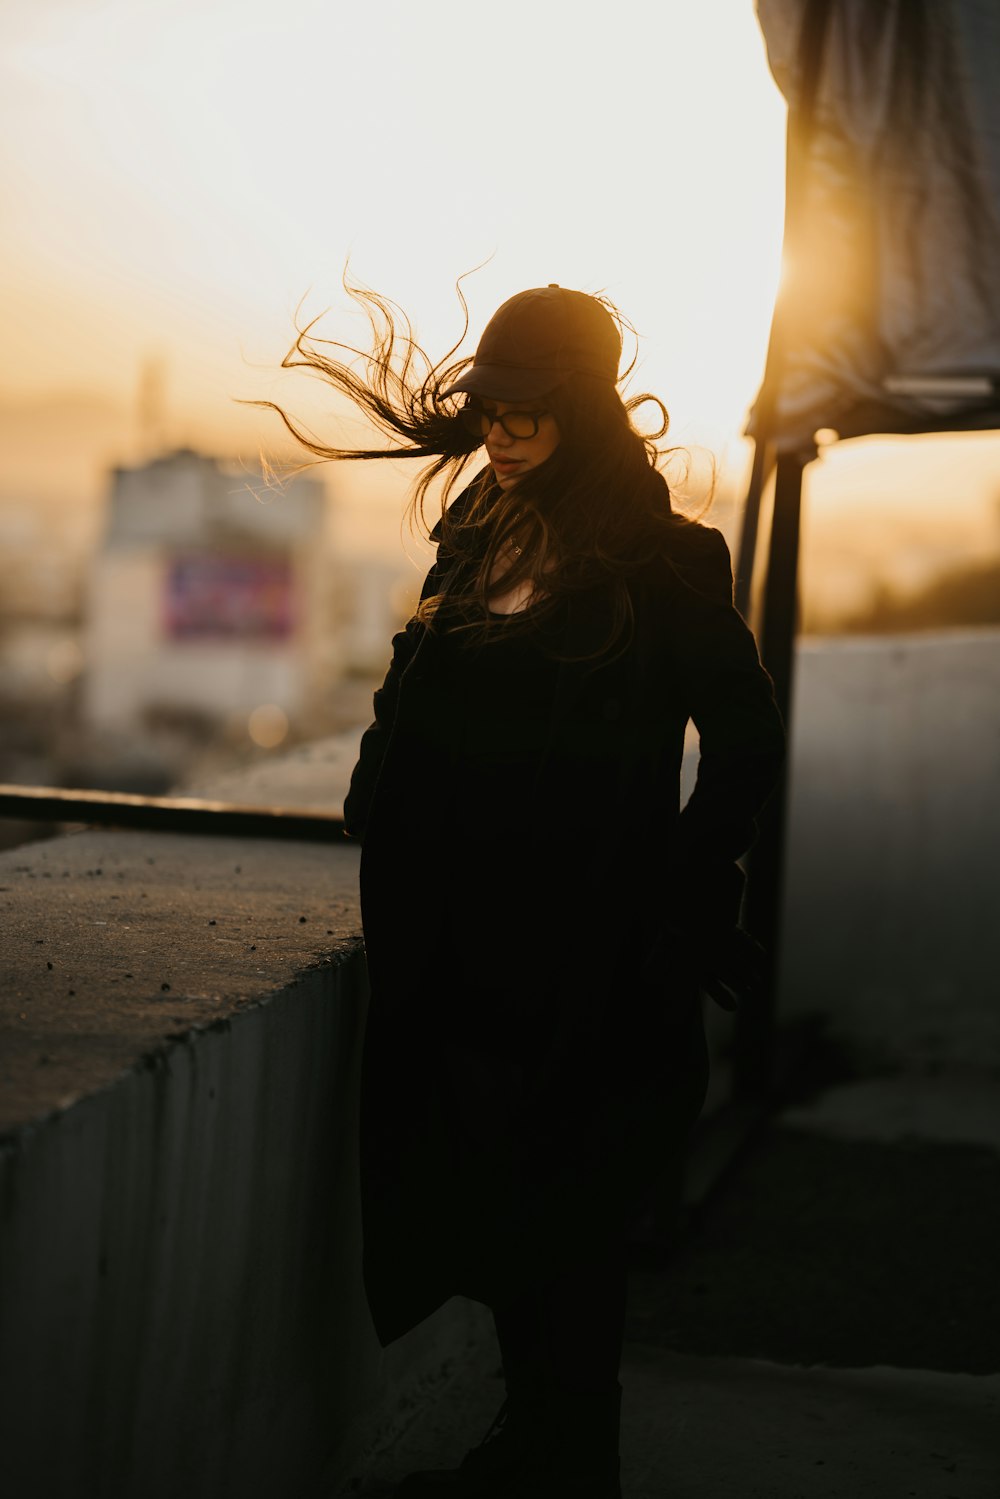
(736, 971)
(729, 966)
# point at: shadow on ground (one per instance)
(838, 1252)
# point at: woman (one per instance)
(539, 916)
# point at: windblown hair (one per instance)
(589, 516)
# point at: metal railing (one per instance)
(169, 814)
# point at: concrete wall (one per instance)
(181, 1305)
(892, 906)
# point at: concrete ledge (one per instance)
(181, 1306)
(118, 944)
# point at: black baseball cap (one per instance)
(536, 340)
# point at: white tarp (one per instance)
(889, 315)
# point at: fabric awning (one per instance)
(888, 316)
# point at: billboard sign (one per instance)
(211, 597)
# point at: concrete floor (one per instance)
(714, 1428)
(851, 1351)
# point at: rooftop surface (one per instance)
(117, 943)
(830, 1329)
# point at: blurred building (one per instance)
(40, 656)
(380, 596)
(213, 601)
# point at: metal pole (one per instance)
(763, 462)
(781, 604)
(753, 1064)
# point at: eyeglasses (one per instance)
(479, 420)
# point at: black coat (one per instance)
(533, 1046)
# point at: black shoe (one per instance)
(507, 1455)
(580, 1459)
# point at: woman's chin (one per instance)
(505, 481)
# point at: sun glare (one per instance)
(187, 202)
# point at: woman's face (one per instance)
(513, 456)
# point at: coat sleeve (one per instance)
(371, 753)
(730, 699)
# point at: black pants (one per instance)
(567, 1331)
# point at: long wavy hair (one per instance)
(589, 517)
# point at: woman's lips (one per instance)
(507, 463)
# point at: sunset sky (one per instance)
(178, 176)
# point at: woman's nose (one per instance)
(497, 436)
